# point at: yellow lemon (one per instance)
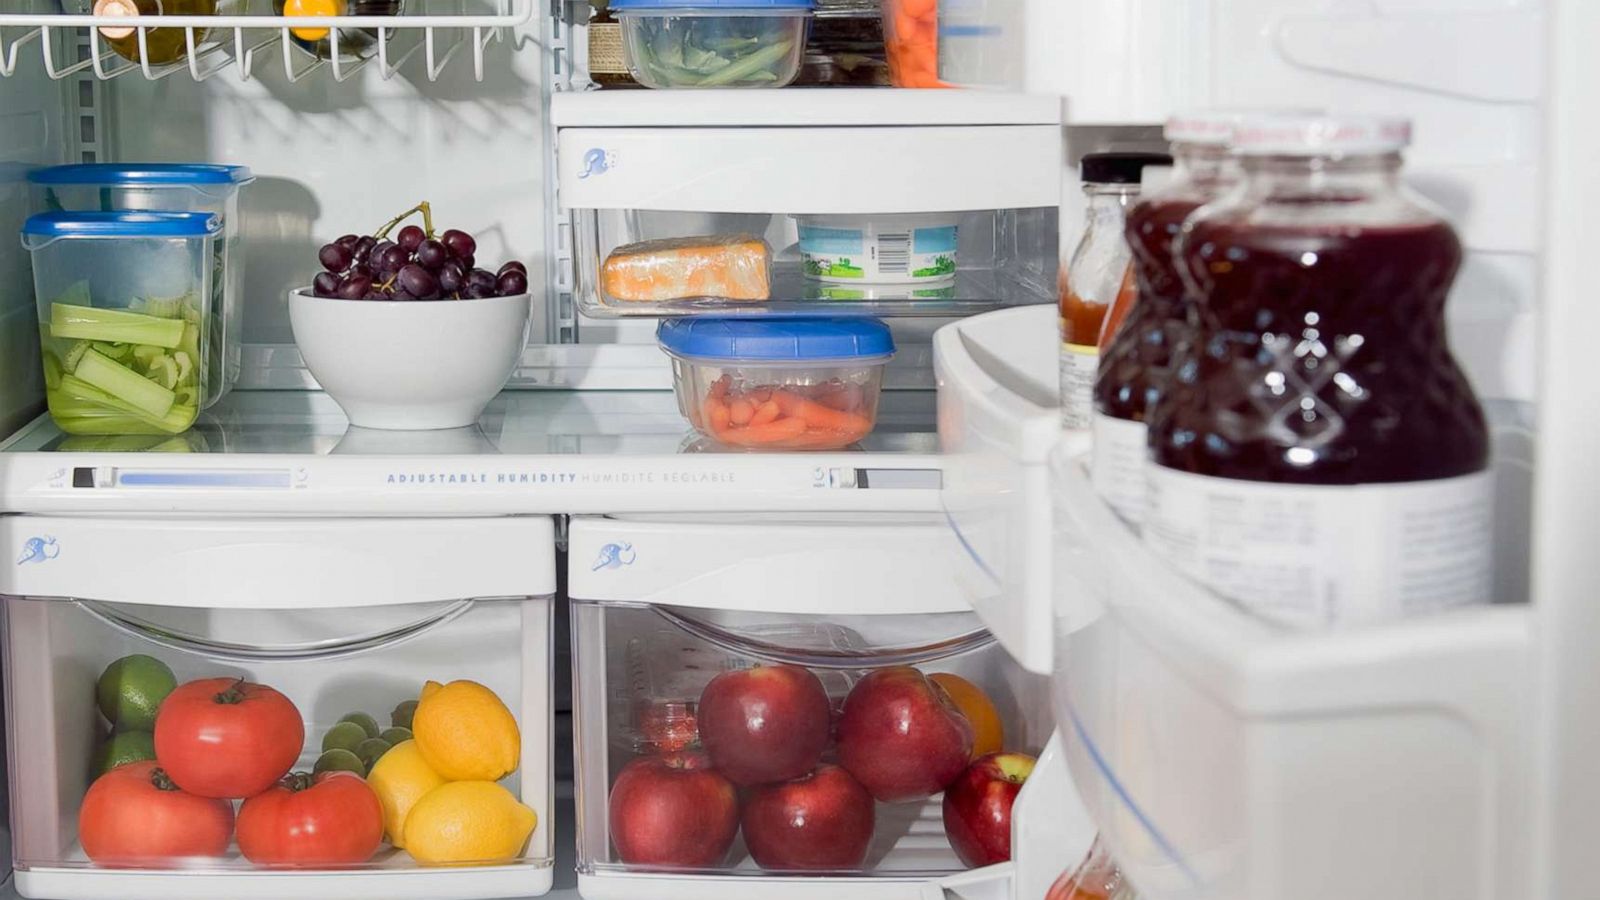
(468, 822)
(465, 732)
(312, 8)
(400, 778)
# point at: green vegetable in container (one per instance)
(715, 51)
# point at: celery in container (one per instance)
(124, 303)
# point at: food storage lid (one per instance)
(101, 224)
(143, 174)
(755, 7)
(1215, 127)
(1119, 167)
(776, 340)
(1321, 135)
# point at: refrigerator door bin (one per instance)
(339, 616)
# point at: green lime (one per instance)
(344, 736)
(339, 760)
(121, 748)
(130, 691)
(401, 717)
(371, 749)
(395, 736)
(367, 723)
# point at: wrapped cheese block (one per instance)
(732, 267)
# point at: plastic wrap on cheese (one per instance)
(731, 267)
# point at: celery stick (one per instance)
(113, 325)
(144, 354)
(119, 352)
(164, 307)
(185, 366)
(52, 371)
(191, 341)
(74, 354)
(76, 294)
(165, 372)
(749, 65)
(143, 394)
(82, 408)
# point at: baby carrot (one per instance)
(815, 414)
(719, 388)
(770, 434)
(741, 411)
(717, 415)
(767, 412)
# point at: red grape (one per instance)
(511, 283)
(334, 257)
(513, 265)
(410, 237)
(401, 295)
(355, 287)
(459, 243)
(325, 284)
(363, 248)
(451, 277)
(418, 282)
(431, 255)
(390, 259)
(347, 241)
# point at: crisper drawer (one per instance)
(167, 679)
(823, 624)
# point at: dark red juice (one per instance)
(1324, 358)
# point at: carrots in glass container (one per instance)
(911, 37)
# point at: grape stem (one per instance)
(427, 220)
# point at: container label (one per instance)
(605, 49)
(1116, 468)
(1327, 556)
(918, 253)
(1080, 364)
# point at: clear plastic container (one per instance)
(632, 661)
(779, 384)
(714, 43)
(911, 42)
(890, 249)
(172, 187)
(126, 316)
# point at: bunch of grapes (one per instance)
(415, 265)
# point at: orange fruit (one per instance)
(988, 732)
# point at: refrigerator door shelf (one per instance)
(1223, 758)
(999, 419)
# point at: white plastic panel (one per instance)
(273, 563)
(999, 418)
(1226, 760)
(827, 566)
(812, 108)
(811, 170)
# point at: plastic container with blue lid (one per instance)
(126, 317)
(177, 187)
(779, 384)
(714, 43)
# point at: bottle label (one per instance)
(1325, 556)
(1117, 466)
(605, 49)
(1080, 363)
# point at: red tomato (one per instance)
(135, 816)
(329, 819)
(227, 737)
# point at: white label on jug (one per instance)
(1325, 556)
(917, 254)
(1117, 467)
(1080, 364)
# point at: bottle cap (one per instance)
(118, 9)
(1119, 167)
(1322, 136)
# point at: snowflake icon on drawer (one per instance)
(38, 550)
(614, 556)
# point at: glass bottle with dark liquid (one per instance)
(1326, 463)
(1137, 362)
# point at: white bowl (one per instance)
(410, 365)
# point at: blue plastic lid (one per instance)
(776, 340)
(143, 174)
(729, 5)
(122, 224)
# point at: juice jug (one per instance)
(1327, 463)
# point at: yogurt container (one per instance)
(880, 249)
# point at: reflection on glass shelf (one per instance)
(621, 423)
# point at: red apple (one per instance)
(977, 807)
(819, 821)
(901, 736)
(764, 724)
(673, 810)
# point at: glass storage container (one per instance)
(109, 624)
(676, 800)
(713, 43)
(127, 315)
(176, 187)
